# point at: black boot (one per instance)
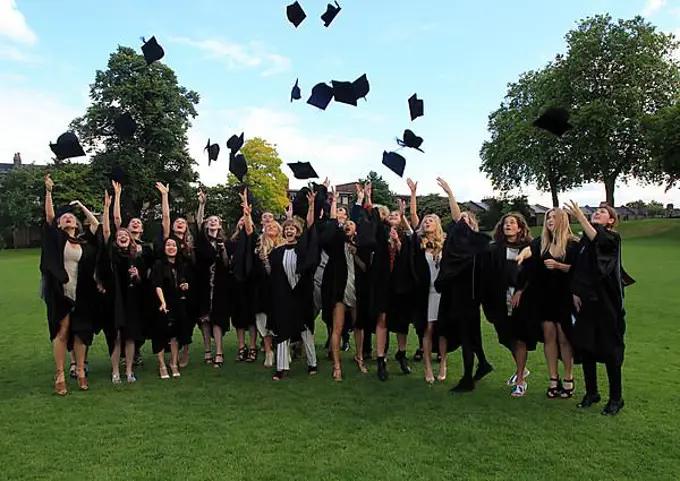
(403, 362)
(588, 400)
(612, 408)
(482, 370)
(382, 368)
(466, 384)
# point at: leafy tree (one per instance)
(663, 139)
(637, 205)
(618, 73)
(655, 209)
(381, 190)
(158, 150)
(433, 204)
(518, 153)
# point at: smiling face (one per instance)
(170, 247)
(179, 226)
(510, 227)
(67, 221)
(394, 218)
(123, 239)
(290, 232)
(136, 226)
(213, 223)
(272, 230)
(350, 228)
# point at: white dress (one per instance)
(72, 254)
(433, 299)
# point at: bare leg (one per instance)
(81, 351)
(162, 368)
(381, 335)
(444, 353)
(129, 357)
(358, 342)
(115, 358)
(567, 358)
(207, 347)
(550, 351)
(217, 334)
(174, 357)
(519, 352)
(338, 325)
(241, 338)
(427, 349)
(252, 331)
(59, 347)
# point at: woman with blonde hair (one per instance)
(552, 255)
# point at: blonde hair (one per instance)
(266, 244)
(474, 223)
(556, 242)
(437, 239)
(384, 211)
(296, 222)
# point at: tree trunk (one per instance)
(553, 192)
(609, 186)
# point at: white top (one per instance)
(434, 296)
(72, 255)
(349, 298)
(290, 267)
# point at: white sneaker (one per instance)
(512, 381)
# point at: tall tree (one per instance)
(158, 150)
(518, 153)
(619, 72)
(663, 139)
(381, 190)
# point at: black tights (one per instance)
(473, 347)
(613, 373)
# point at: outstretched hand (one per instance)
(116, 187)
(412, 185)
(163, 189)
(49, 183)
(444, 185)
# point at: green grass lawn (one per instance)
(237, 424)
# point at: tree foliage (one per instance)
(663, 139)
(382, 194)
(158, 151)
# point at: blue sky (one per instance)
(243, 57)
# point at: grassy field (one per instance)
(237, 424)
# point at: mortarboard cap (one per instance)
(344, 93)
(395, 162)
(330, 14)
(303, 170)
(152, 51)
(415, 107)
(63, 209)
(295, 93)
(235, 143)
(117, 174)
(555, 120)
(67, 146)
(411, 140)
(295, 14)
(238, 165)
(124, 125)
(322, 94)
(300, 203)
(361, 87)
(213, 151)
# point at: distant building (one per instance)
(5, 168)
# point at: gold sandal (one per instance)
(360, 364)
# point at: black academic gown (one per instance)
(171, 325)
(240, 282)
(421, 291)
(499, 274)
(599, 279)
(209, 256)
(292, 309)
(54, 275)
(459, 282)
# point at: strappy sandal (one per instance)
(219, 360)
(418, 356)
(175, 371)
(82, 383)
(269, 359)
(554, 392)
(567, 393)
(360, 364)
(60, 388)
(252, 355)
(242, 354)
(278, 375)
(115, 379)
(337, 374)
(441, 377)
(163, 371)
(207, 357)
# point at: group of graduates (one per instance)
(367, 269)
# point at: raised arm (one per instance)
(49, 206)
(413, 206)
(165, 208)
(200, 213)
(334, 205)
(453, 204)
(248, 219)
(106, 217)
(94, 222)
(310, 210)
(572, 208)
(117, 219)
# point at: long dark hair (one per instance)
(524, 234)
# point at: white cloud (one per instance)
(653, 6)
(240, 56)
(12, 53)
(29, 121)
(13, 24)
(340, 158)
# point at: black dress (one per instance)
(598, 280)
(502, 276)
(171, 325)
(240, 282)
(212, 278)
(421, 291)
(82, 310)
(292, 308)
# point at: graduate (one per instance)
(459, 282)
(550, 280)
(597, 287)
(505, 303)
(169, 282)
(292, 286)
(67, 263)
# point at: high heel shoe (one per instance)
(175, 371)
(337, 374)
(360, 364)
(163, 371)
(60, 388)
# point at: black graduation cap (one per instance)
(117, 174)
(124, 125)
(235, 143)
(322, 94)
(67, 146)
(295, 14)
(152, 51)
(213, 151)
(63, 209)
(395, 162)
(555, 120)
(238, 165)
(303, 170)
(415, 107)
(300, 203)
(343, 92)
(330, 14)
(361, 87)
(411, 140)
(295, 93)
